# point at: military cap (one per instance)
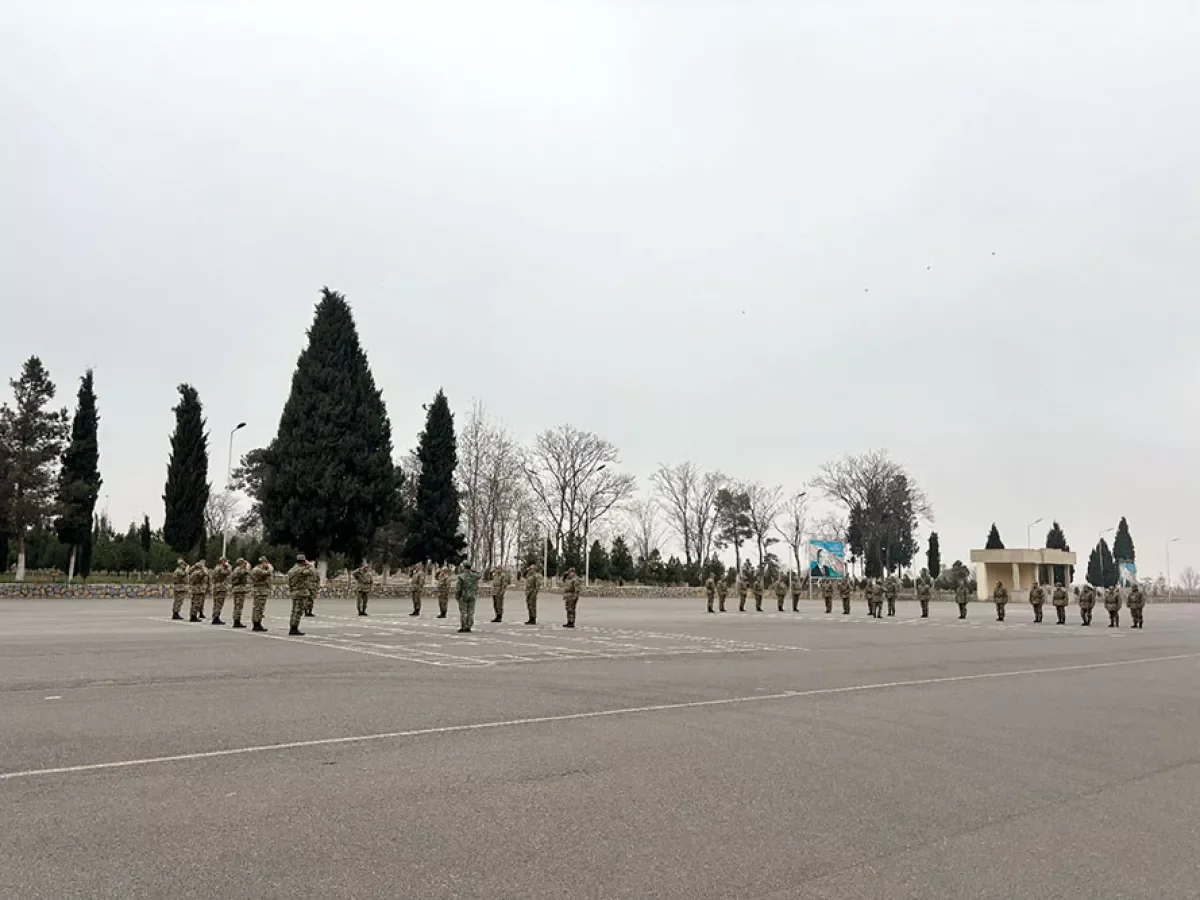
(301, 558)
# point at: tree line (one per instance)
(1103, 567)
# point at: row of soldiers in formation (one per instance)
(878, 591)
(196, 581)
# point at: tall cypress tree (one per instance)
(933, 557)
(993, 540)
(1123, 543)
(79, 478)
(1057, 540)
(187, 488)
(433, 528)
(328, 481)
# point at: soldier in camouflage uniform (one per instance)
(710, 591)
(364, 577)
(1060, 603)
(532, 582)
(962, 597)
(722, 593)
(499, 586)
(796, 584)
(924, 594)
(443, 591)
(1087, 602)
(757, 588)
(220, 588)
(827, 594)
(780, 591)
(465, 593)
(741, 592)
(1000, 598)
(890, 588)
(298, 589)
(239, 584)
(313, 585)
(1112, 603)
(1037, 599)
(1136, 603)
(198, 584)
(416, 587)
(570, 596)
(874, 603)
(844, 591)
(260, 591)
(179, 588)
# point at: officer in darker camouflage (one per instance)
(444, 577)
(198, 585)
(890, 589)
(499, 586)
(722, 593)
(924, 594)
(827, 594)
(364, 578)
(962, 597)
(239, 584)
(533, 582)
(1087, 602)
(845, 590)
(1000, 598)
(465, 593)
(710, 591)
(298, 588)
(780, 591)
(571, 596)
(416, 586)
(179, 588)
(758, 592)
(1136, 603)
(1060, 603)
(1112, 603)
(220, 588)
(1037, 599)
(260, 591)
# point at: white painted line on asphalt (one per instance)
(54, 698)
(576, 717)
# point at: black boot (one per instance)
(415, 612)
(309, 615)
(498, 619)
(176, 617)
(193, 618)
(295, 632)
(531, 622)
(569, 625)
(441, 616)
(258, 626)
(237, 623)
(216, 620)
(464, 631)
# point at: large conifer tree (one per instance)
(328, 480)
(1123, 543)
(1056, 539)
(187, 489)
(433, 528)
(79, 478)
(993, 539)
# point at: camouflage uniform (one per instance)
(499, 586)
(962, 597)
(722, 593)
(780, 591)
(220, 588)
(845, 590)
(827, 594)
(1000, 598)
(741, 592)
(443, 591)
(758, 592)
(924, 595)
(198, 582)
(571, 597)
(532, 583)
(364, 577)
(179, 588)
(239, 583)
(1060, 603)
(1087, 602)
(465, 593)
(874, 604)
(1037, 598)
(298, 587)
(1112, 603)
(890, 589)
(796, 594)
(710, 591)
(260, 590)
(1136, 602)
(313, 584)
(416, 587)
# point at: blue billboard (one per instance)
(826, 559)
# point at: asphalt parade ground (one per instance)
(655, 751)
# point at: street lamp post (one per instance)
(228, 478)
(1168, 546)
(587, 548)
(1029, 532)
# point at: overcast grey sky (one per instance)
(756, 235)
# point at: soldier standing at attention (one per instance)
(1112, 603)
(844, 590)
(239, 583)
(874, 604)
(1060, 603)
(416, 587)
(1087, 601)
(796, 593)
(499, 586)
(1000, 598)
(220, 588)
(571, 596)
(364, 577)
(780, 590)
(890, 588)
(924, 594)
(297, 582)
(962, 597)
(260, 590)
(741, 592)
(198, 582)
(532, 582)
(465, 593)
(179, 588)
(722, 593)
(710, 591)
(758, 592)
(1037, 598)
(1136, 603)
(314, 584)
(827, 594)
(443, 591)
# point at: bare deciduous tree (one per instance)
(644, 526)
(1189, 580)
(220, 512)
(763, 511)
(795, 521)
(491, 485)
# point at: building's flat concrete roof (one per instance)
(1026, 556)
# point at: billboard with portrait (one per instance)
(1127, 573)
(826, 559)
